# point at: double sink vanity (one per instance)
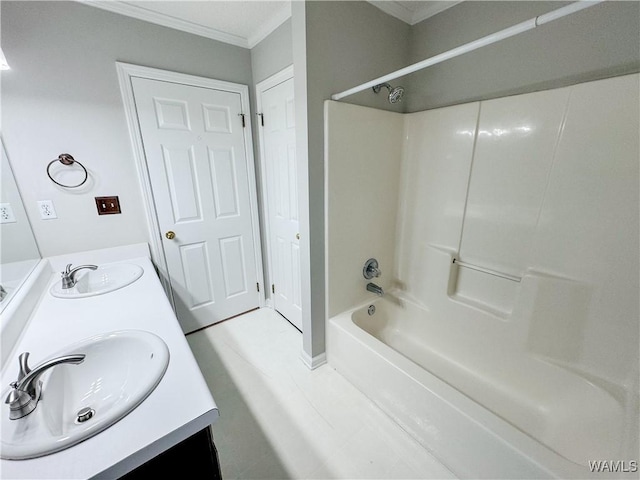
(98, 380)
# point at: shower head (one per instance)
(395, 93)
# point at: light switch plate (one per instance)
(108, 205)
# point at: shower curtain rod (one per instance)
(468, 47)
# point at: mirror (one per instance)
(18, 249)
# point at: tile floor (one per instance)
(280, 420)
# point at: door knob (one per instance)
(297, 236)
(170, 235)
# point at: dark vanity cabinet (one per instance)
(195, 457)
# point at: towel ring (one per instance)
(66, 159)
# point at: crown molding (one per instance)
(432, 9)
(395, 9)
(167, 21)
(411, 17)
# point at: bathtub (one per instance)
(483, 412)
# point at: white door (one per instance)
(194, 145)
(278, 124)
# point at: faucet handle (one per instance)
(371, 269)
(23, 360)
(15, 394)
(20, 402)
(67, 270)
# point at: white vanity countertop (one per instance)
(180, 405)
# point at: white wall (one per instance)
(363, 158)
(62, 95)
(16, 239)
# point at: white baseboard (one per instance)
(313, 362)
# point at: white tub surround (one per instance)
(362, 194)
(511, 327)
(180, 406)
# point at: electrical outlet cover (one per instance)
(6, 213)
(46, 209)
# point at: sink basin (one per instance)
(119, 371)
(105, 279)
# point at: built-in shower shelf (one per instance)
(491, 291)
(478, 268)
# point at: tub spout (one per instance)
(372, 287)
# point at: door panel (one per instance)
(180, 170)
(282, 191)
(233, 266)
(196, 273)
(171, 114)
(194, 146)
(225, 182)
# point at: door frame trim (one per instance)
(126, 72)
(261, 87)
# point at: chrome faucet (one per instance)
(3, 293)
(69, 275)
(372, 287)
(371, 269)
(25, 393)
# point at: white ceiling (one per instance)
(244, 23)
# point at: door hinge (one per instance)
(258, 286)
(261, 115)
(241, 115)
(273, 288)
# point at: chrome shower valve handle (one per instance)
(371, 269)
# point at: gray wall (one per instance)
(598, 42)
(272, 54)
(347, 43)
(62, 95)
